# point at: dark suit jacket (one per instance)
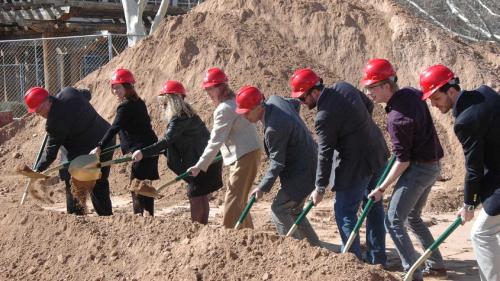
(184, 143)
(134, 125)
(477, 126)
(344, 123)
(290, 147)
(73, 123)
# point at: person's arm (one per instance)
(118, 122)
(276, 142)
(327, 129)
(175, 129)
(471, 138)
(401, 131)
(55, 139)
(223, 122)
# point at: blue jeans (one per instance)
(346, 206)
(408, 199)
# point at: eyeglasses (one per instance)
(304, 96)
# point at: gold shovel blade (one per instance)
(26, 171)
(85, 168)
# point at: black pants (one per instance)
(99, 196)
(141, 203)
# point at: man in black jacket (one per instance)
(477, 126)
(343, 123)
(72, 122)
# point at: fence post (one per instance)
(110, 47)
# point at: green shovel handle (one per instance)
(109, 149)
(370, 202)
(304, 212)
(245, 211)
(446, 233)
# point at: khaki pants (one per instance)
(241, 176)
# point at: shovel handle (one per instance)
(116, 161)
(38, 157)
(302, 215)
(434, 246)
(368, 207)
(245, 212)
(110, 148)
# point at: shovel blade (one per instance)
(28, 172)
(84, 168)
(143, 188)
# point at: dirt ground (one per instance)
(258, 42)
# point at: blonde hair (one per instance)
(174, 105)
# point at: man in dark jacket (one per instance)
(477, 126)
(72, 122)
(343, 123)
(417, 149)
(292, 154)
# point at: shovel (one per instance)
(245, 212)
(88, 167)
(434, 246)
(367, 208)
(38, 156)
(150, 191)
(30, 173)
(302, 215)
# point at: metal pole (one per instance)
(36, 64)
(110, 47)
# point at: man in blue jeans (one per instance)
(343, 123)
(417, 150)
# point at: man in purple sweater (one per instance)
(417, 149)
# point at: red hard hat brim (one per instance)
(427, 94)
(31, 110)
(210, 84)
(298, 94)
(242, 111)
(368, 82)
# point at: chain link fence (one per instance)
(52, 63)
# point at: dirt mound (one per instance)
(55, 246)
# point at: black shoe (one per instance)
(439, 273)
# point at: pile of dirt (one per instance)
(44, 245)
(261, 42)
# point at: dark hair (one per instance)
(319, 86)
(130, 93)
(453, 83)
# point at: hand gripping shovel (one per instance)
(30, 173)
(302, 215)
(38, 156)
(368, 207)
(434, 246)
(245, 212)
(151, 192)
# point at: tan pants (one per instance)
(241, 176)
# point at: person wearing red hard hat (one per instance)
(417, 149)
(343, 123)
(292, 155)
(133, 124)
(73, 127)
(477, 127)
(185, 139)
(237, 140)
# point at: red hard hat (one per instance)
(247, 98)
(302, 80)
(121, 76)
(434, 78)
(377, 70)
(34, 97)
(172, 87)
(213, 77)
